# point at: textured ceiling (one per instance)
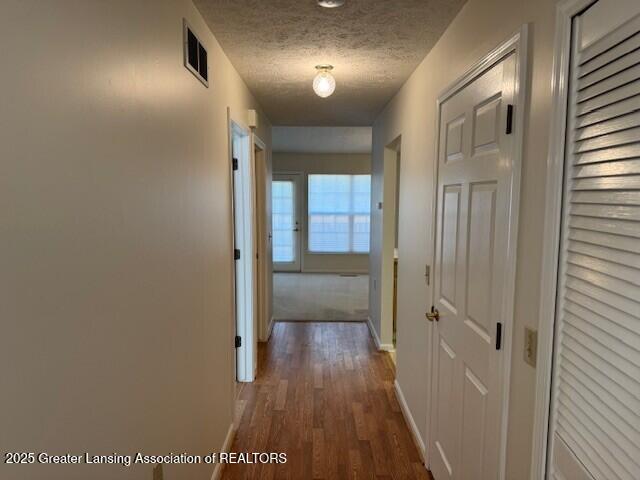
(373, 44)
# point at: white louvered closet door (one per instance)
(595, 414)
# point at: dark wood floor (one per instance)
(324, 395)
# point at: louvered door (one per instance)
(595, 421)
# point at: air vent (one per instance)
(195, 55)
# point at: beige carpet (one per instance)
(320, 297)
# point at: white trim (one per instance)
(226, 448)
(383, 347)
(257, 141)
(517, 45)
(565, 11)
(413, 427)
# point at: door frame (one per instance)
(264, 263)
(565, 11)
(517, 45)
(244, 238)
(300, 206)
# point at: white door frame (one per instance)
(244, 269)
(516, 45)
(565, 11)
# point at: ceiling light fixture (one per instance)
(331, 3)
(324, 84)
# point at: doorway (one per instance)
(244, 240)
(286, 211)
(264, 251)
(477, 175)
(390, 257)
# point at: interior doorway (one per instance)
(244, 240)
(390, 227)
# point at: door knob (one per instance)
(434, 314)
(296, 229)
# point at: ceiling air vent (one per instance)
(195, 55)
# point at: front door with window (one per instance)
(285, 195)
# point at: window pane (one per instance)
(339, 209)
(362, 194)
(361, 233)
(283, 221)
(329, 233)
(329, 193)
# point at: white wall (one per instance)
(322, 139)
(328, 163)
(115, 238)
(478, 28)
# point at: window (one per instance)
(339, 210)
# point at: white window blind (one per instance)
(339, 213)
(283, 219)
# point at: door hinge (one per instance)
(499, 336)
(509, 128)
(234, 164)
(238, 341)
(236, 254)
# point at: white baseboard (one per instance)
(226, 447)
(384, 347)
(406, 413)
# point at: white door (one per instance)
(474, 205)
(285, 194)
(245, 253)
(595, 406)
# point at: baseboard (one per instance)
(384, 347)
(226, 447)
(406, 413)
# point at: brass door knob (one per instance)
(434, 314)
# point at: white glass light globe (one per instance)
(324, 84)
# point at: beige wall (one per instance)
(115, 240)
(308, 163)
(479, 27)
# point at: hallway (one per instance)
(324, 396)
